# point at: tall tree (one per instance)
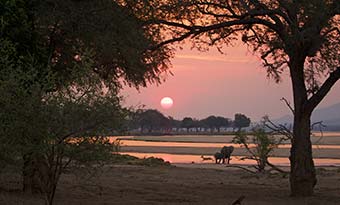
(301, 37)
(61, 56)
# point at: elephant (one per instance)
(218, 157)
(226, 153)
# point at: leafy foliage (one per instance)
(117, 38)
(217, 122)
(188, 123)
(264, 145)
(151, 120)
(289, 36)
(241, 121)
(62, 64)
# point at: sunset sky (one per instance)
(211, 83)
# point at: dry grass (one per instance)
(135, 184)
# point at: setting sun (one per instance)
(167, 102)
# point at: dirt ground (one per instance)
(179, 184)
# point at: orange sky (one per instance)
(211, 83)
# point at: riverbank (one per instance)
(192, 184)
(189, 148)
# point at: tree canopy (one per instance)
(62, 64)
(241, 121)
(151, 120)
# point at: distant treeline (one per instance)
(153, 121)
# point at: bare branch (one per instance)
(238, 200)
(276, 168)
(243, 168)
(278, 129)
(321, 125)
(288, 104)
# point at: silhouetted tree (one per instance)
(188, 123)
(60, 56)
(209, 122)
(221, 122)
(265, 144)
(173, 123)
(215, 122)
(152, 120)
(241, 121)
(300, 37)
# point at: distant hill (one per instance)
(330, 116)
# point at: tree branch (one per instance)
(288, 104)
(278, 129)
(79, 131)
(276, 168)
(243, 168)
(170, 23)
(172, 40)
(323, 91)
(197, 29)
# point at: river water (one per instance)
(190, 148)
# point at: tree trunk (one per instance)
(302, 176)
(302, 171)
(31, 184)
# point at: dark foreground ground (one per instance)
(132, 184)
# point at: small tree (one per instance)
(260, 146)
(241, 121)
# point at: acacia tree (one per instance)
(265, 143)
(240, 121)
(63, 62)
(301, 37)
(215, 122)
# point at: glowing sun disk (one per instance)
(167, 102)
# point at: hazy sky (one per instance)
(211, 83)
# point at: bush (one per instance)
(260, 146)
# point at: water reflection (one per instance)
(178, 158)
(177, 148)
(202, 144)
